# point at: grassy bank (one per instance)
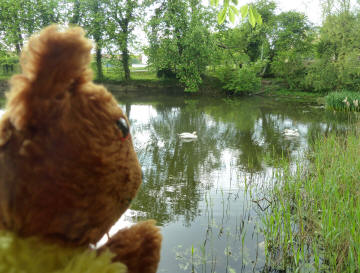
(314, 223)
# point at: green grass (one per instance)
(343, 101)
(292, 93)
(314, 223)
(5, 77)
(144, 75)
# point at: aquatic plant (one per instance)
(343, 101)
(314, 222)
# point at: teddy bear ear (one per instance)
(51, 63)
(55, 57)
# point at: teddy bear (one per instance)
(68, 168)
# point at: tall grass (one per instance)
(343, 101)
(314, 224)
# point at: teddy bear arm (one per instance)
(138, 247)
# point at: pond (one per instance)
(198, 192)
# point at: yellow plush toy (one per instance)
(68, 169)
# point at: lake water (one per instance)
(199, 192)
(208, 195)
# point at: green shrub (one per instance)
(343, 73)
(343, 101)
(322, 76)
(244, 79)
(290, 66)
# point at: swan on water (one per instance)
(291, 132)
(188, 135)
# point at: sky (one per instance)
(311, 8)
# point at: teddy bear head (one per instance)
(68, 169)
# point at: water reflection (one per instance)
(197, 191)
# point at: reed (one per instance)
(314, 223)
(343, 101)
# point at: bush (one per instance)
(343, 73)
(242, 79)
(9, 63)
(343, 101)
(322, 76)
(290, 66)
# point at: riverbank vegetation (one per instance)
(185, 41)
(343, 101)
(314, 221)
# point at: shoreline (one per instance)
(136, 88)
(139, 88)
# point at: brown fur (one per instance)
(65, 174)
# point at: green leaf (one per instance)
(212, 2)
(222, 15)
(226, 3)
(258, 18)
(235, 10)
(231, 16)
(244, 10)
(235, 2)
(252, 19)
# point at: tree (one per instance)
(122, 18)
(21, 18)
(90, 14)
(337, 65)
(180, 41)
(292, 47)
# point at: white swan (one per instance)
(291, 132)
(188, 135)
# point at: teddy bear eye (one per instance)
(123, 126)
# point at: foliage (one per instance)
(230, 10)
(292, 47)
(343, 101)
(290, 66)
(180, 40)
(21, 18)
(322, 76)
(240, 80)
(304, 228)
(122, 18)
(90, 14)
(337, 65)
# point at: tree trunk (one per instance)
(19, 44)
(125, 56)
(18, 48)
(76, 13)
(125, 60)
(99, 71)
(128, 110)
